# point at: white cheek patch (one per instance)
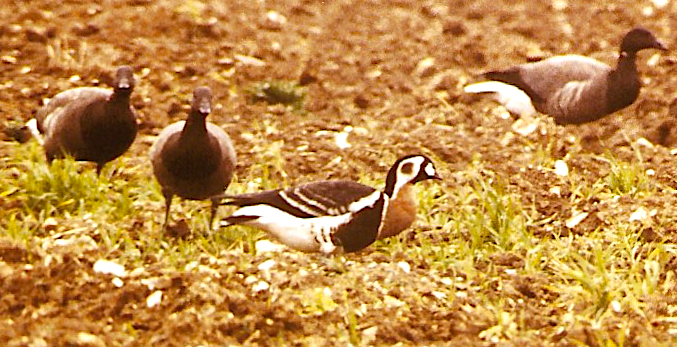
(403, 178)
(430, 170)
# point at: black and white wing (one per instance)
(315, 199)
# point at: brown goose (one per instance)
(575, 89)
(88, 123)
(193, 159)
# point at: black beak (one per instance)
(205, 108)
(660, 45)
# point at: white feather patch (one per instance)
(401, 178)
(430, 170)
(32, 126)
(365, 202)
(303, 234)
(512, 98)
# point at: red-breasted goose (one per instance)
(326, 216)
(88, 123)
(193, 159)
(575, 89)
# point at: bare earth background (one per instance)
(391, 70)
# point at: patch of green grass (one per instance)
(45, 190)
(587, 281)
(496, 217)
(627, 178)
(287, 93)
(193, 8)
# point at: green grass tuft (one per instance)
(278, 92)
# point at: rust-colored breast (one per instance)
(400, 214)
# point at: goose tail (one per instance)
(512, 98)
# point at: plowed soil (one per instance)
(391, 70)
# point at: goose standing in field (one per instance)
(575, 89)
(88, 123)
(193, 159)
(325, 216)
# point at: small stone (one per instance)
(50, 224)
(555, 191)
(118, 282)
(341, 140)
(616, 306)
(639, 215)
(36, 34)
(85, 29)
(425, 67)
(307, 78)
(455, 28)
(660, 3)
(266, 265)
(560, 5)
(260, 286)
(8, 59)
(274, 21)
(561, 168)
(404, 266)
(525, 125)
(369, 335)
(109, 267)
(361, 101)
(576, 218)
(5, 269)
(642, 141)
(438, 295)
(154, 299)
(247, 60)
(85, 340)
(227, 62)
(391, 301)
(648, 11)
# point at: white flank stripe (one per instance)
(309, 201)
(298, 204)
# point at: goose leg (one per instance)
(212, 212)
(168, 204)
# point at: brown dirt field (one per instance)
(363, 64)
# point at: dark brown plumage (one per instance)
(575, 89)
(90, 124)
(193, 159)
